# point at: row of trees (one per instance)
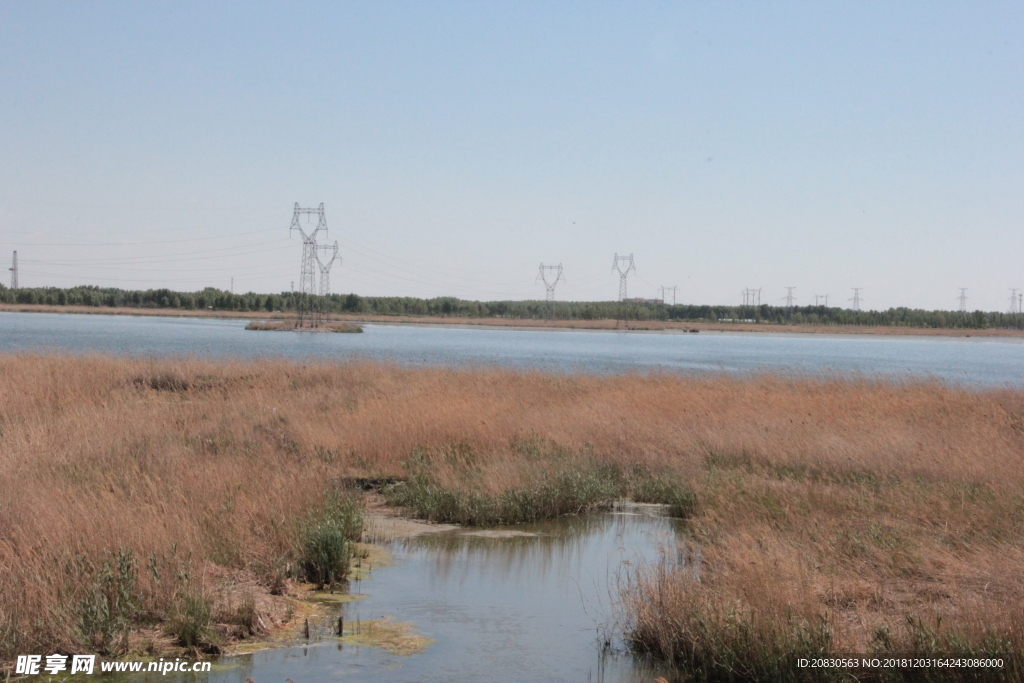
(220, 300)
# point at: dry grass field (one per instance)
(833, 506)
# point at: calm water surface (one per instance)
(527, 608)
(971, 361)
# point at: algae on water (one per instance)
(396, 637)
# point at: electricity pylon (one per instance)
(818, 297)
(856, 298)
(789, 297)
(669, 289)
(617, 265)
(325, 273)
(550, 276)
(325, 267)
(1014, 306)
(307, 291)
(963, 299)
(14, 271)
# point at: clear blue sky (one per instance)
(456, 145)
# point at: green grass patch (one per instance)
(326, 537)
(191, 623)
(665, 490)
(573, 488)
(568, 492)
(110, 603)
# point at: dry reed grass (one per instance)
(859, 500)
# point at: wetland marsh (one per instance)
(885, 514)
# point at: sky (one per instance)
(456, 146)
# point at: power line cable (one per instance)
(147, 243)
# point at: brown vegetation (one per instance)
(858, 502)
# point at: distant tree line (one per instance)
(220, 300)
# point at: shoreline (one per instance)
(528, 324)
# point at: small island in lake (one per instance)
(294, 326)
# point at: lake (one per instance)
(975, 362)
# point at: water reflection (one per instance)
(560, 547)
(520, 608)
(534, 606)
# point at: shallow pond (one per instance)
(534, 606)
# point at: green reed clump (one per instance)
(191, 623)
(110, 603)
(565, 483)
(736, 648)
(245, 616)
(567, 492)
(326, 536)
(665, 490)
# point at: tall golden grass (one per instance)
(858, 501)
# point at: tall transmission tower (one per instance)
(669, 289)
(325, 266)
(307, 285)
(963, 299)
(1014, 307)
(818, 298)
(623, 265)
(789, 297)
(14, 271)
(856, 298)
(751, 297)
(325, 276)
(550, 276)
